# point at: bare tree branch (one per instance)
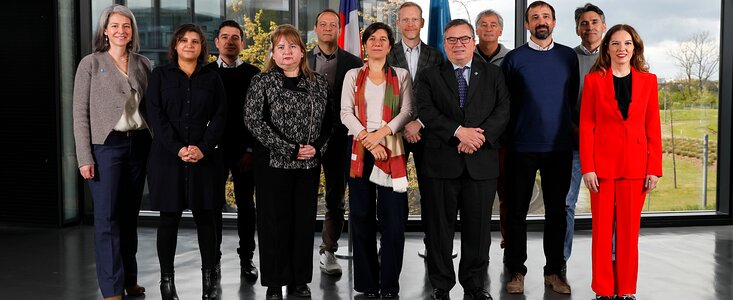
(698, 57)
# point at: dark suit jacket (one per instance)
(486, 107)
(346, 62)
(611, 146)
(237, 137)
(429, 56)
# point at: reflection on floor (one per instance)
(675, 263)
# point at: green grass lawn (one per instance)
(691, 123)
(688, 194)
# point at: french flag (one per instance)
(349, 39)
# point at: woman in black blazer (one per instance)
(187, 111)
(112, 142)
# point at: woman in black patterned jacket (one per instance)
(286, 112)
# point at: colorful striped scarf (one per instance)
(393, 171)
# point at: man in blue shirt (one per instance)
(542, 77)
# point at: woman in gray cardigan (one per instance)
(112, 145)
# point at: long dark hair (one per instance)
(603, 62)
(178, 35)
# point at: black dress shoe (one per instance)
(389, 295)
(479, 293)
(371, 295)
(605, 297)
(249, 271)
(626, 297)
(301, 290)
(440, 294)
(274, 293)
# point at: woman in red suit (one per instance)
(620, 156)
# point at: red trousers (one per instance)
(617, 205)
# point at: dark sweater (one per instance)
(236, 138)
(544, 88)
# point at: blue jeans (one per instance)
(570, 200)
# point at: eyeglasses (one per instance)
(464, 39)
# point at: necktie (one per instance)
(462, 86)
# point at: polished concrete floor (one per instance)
(675, 263)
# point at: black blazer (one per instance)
(346, 62)
(237, 137)
(486, 107)
(429, 56)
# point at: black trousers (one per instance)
(244, 189)
(444, 199)
(521, 168)
(286, 208)
(168, 238)
(372, 209)
(335, 170)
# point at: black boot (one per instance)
(168, 287)
(217, 274)
(208, 279)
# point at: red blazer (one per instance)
(611, 146)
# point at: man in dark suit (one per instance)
(237, 142)
(333, 62)
(464, 105)
(415, 56)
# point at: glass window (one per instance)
(307, 16)
(172, 14)
(208, 15)
(688, 108)
(689, 104)
(143, 10)
(97, 7)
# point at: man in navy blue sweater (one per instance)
(542, 77)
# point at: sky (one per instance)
(662, 24)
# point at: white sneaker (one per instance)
(329, 264)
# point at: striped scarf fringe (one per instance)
(393, 171)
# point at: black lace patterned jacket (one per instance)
(282, 118)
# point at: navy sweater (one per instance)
(544, 88)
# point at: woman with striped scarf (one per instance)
(375, 106)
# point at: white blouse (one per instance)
(374, 95)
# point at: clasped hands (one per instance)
(370, 141)
(190, 154)
(306, 152)
(471, 139)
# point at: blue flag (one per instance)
(439, 17)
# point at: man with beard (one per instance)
(542, 77)
(237, 143)
(590, 24)
(415, 56)
(333, 62)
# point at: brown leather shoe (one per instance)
(135, 290)
(516, 284)
(558, 284)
